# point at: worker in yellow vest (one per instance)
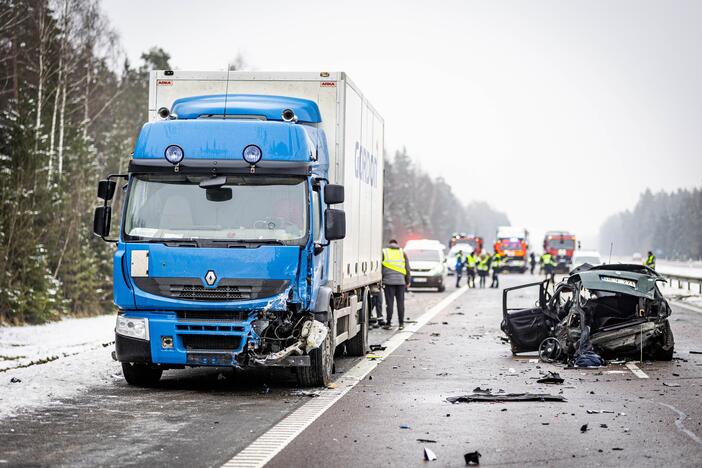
(483, 268)
(471, 262)
(496, 265)
(549, 264)
(650, 261)
(396, 279)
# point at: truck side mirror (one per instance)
(333, 194)
(101, 220)
(106, 189)
(334, 224)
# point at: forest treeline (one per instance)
(71, 105)
(668, 224)
(419, 206)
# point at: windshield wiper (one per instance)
(175, 242)
(245, 242)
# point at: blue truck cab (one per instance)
(224, 248)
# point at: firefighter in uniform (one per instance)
(495, 263)
(483, 267)
(650, 261)
(459, 267)
(471, 261)
(549, 264)
(396, 279)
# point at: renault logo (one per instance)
(210, 278)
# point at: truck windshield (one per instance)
(245, 208)
(568, 244)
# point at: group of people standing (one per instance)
(482, 264)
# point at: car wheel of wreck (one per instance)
(550, 350)
(666, 346)
(319, 372)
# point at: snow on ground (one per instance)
(43, 363)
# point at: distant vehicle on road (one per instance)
(475, 242)
(580, 257)
(451, 257)
(420, 243)
(561, 246)
(427, 265)
(512, 243)
(637, 257)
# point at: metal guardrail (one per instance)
(689, 280)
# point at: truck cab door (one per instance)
(524, 319)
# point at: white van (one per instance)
(427, 264)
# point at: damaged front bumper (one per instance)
(176, 342)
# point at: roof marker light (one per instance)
(252, 154)
(174, 154)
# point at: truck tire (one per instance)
(141, 375)
(319, 372)
(358, 345)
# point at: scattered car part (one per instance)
(551, 378)
(505, 397)
(472, 458)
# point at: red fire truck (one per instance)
(471, 239)
(561, 245)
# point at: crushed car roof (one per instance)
(631, 279)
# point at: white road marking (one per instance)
(268, 445)
(679, 423)
(635, 370)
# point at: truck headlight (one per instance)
(133, 327)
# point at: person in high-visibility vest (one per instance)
(471, 261)
(483, 268)
(549, 264)
(650, 261)
(496, 265)
(396, 279)
(459, 267)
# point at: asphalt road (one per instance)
(203, 417)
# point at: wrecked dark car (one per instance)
(606, 311)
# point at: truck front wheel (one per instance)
(141, 375)
(319, 372)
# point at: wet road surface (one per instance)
(203, 417)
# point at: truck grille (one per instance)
(228, 289)
(211, 342)
(200, 293)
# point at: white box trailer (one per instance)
(354, 132)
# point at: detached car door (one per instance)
(524, 320)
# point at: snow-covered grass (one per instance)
(43, 363)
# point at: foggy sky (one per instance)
(557, 113)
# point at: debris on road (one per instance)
(15, 380)
(377, 347)
(307, 393)
(551, 378)
(472, 458)
(426, 441)
(592, 411)
(373, 357)
(583, 428)
(404, 426)
(429, 455)
(505, 397)
(666, 384)
(695, 352)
